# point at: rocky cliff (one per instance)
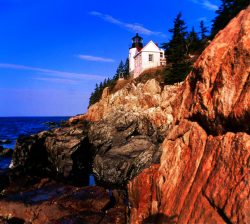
(149, 99)
(203, 175)
(181, 152)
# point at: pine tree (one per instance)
(119, 71)
(193, 42)
(94, 97)
(228, 10)
(176, 52)
(176, 47)
(105, 83)
(126, 69)
(203, 31)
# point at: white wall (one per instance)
(138, 65)
(132, 53)
(146, 64)
(141, 62)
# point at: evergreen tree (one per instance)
(94, 97)
(126, 69)
(105, 83)
(193, 42)
(176, 52)
(203, 31)
(119, 71)
(228, 10)
(101, 86)
(175, 49)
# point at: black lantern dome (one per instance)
(137, 41)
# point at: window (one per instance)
(161, 55)
(150, 57)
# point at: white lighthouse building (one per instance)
(142, 58)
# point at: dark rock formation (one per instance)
(64, 152)
(125, 143)
(29, 152)
(120, 164)
(12, 221)
(4, 180)
(69, 151)
(6, 153)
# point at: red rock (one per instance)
(116, 215)
(142, 195)
(216, 93)
(198, 180)
(50, 202)
(204, 172)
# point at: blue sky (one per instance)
(52, 52)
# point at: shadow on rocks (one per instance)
(160, 219)
(12, 221)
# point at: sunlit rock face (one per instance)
(203, 176)
(216, 93)
(149, 99)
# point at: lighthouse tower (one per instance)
(137, 45)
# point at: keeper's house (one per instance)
(142, 58)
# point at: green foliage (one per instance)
(228, 10)
(182, 69)
(203, 36)
(203, 31)
(121, 72)
(126, 70)
(177, 50)
(193, 42)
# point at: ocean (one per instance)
(13, 127)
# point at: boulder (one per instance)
(61, 152)
(124, 143)
(119, 127)
(120, 164)
(69, 151)
(29, 152)
(6, 153)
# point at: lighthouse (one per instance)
(137, 45)
(145, 57)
